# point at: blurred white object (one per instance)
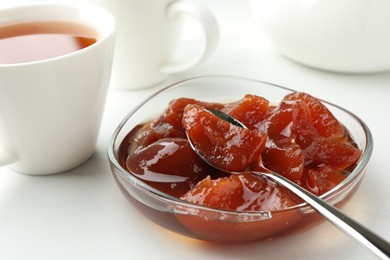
(148, 37)
(351, 36)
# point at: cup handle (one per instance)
(207, 22)
(6, 157)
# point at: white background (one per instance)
(82, 214)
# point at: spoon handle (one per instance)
(355, 230)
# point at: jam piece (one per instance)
(148, 135)
(169, 165)
(174, 112)
(321, 180)
(169, 124)
(241, 192)
(249, 110)
(339, 153)
(323, 120)
(226, 146)
(278, 122)
(285, 157)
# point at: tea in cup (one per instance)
(55, 68)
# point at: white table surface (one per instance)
(81, 214)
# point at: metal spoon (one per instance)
(349, 226)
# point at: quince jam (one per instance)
(299, 138)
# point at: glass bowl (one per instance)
(211, 224)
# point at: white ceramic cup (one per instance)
(148, 36)
(51, 109)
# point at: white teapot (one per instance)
(350, 36)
